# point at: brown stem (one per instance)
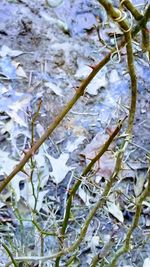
(79, 93)
(76, 186)
(134, 11)
(132, 73)
(137, 15)
(126, 247)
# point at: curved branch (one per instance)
(80, 91)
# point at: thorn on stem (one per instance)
(92, 66)
(25, 151)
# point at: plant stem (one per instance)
(80, 91)
(134, 11)
(10, 255)
(55, 123)
(126, 247)
(132, 73)
(76, 186)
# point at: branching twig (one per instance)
(142, 23)
(79, 93)
(133, 79)
(92, 212)
(76, 186)
(138, 16)
(55, 123)
(101, 202)
(32, 162)
(126, 247)
(129, 131)
(116, 15)
(103, 253)
(86, 171)
(134, 11)
(13, 261)
(43, 232)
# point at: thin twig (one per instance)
(126, 247)
(76, 186)
(138, 16)
(134, 11)
(13, 261)
(103, 253)
(32, 162)
(55, 123)
(78, 94)
(133, 79)
(43, 232)
(101, 201)
(93, 211)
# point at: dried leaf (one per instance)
(17, 118)
(15, 105)
(2, 204)
(27, 194)
(114, 77)
(126, 172)
(73, 126)
(6, 51)
(53, 3)
(7, 127)
(98, 140)
(53, 87)
(139, 184)
(115, 211)
(7, 69)
(6, 166)
(15, 185)
(3, 89)
(146, 262)
(19, 70)
(105, 166)
(98, 81)
(71, 146)
(94, 243)
(43, 167)
(6, 163)
(84, 196)
(82, 71)
(146, 203)
(18, 108)
(24, 210)
(21, 103)
(62, 25)
(60, 169)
